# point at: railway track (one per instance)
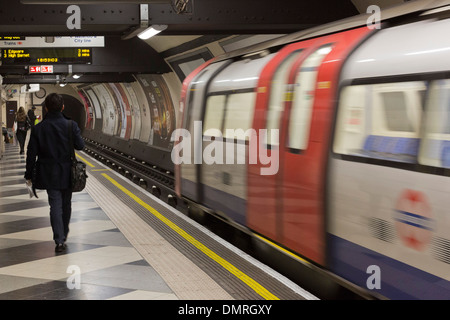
(161, 183)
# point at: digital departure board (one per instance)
(18, 56)
(12, 38)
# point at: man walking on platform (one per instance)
(50, 143)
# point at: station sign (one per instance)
(51, 42)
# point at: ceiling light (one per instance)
(76, 76)
(151, 31)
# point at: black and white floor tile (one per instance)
(98, 256)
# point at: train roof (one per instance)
(407, 9)
(425, 52)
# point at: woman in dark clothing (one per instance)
(22, 127)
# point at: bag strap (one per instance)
(70, 128)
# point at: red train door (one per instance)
(262, 191)
(307, 121)
(288, 207)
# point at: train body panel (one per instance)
(330, 210)
(307, 141)
(229, 113)
(389, 182)
(362, 150)
(273, 91)
(422, 49)
(305, 77)
(183, 115)
(191, 185)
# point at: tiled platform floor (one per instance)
(109, 266)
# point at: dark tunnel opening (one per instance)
(73, 109)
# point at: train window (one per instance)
(380, 121)
(397, 107)
(239, 112)
(277, 95)
(215, 107)
(435, 146)
(303, 99)
(394, 105)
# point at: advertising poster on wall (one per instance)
(122, 103)
(135, 111)
(108, 110)
(89, 111)
(162, 111)
(144, 134)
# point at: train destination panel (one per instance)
(17, 56)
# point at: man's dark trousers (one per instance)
(60, 212)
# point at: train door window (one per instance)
(303, 99)
(215, 108)
(239, 113)
(277, 95)
(380, 121)
(435, 146)
(351, 127)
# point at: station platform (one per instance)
(123, 244)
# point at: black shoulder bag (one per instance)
(78, 168)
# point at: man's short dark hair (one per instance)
(54, 102)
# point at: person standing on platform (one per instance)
(22, 127)
(31, 115)
(50, 142)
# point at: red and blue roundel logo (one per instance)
(413, 219)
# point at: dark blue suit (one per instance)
(50, 144)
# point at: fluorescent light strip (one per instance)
(151, 31)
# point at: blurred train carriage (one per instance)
(364, 149)
(362, 117)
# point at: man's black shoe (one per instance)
(60, 247)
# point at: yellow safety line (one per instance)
(101, 170)
(85, 161)
(263, 292)
(282, 249)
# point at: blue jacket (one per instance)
(50, 144)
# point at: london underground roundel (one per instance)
(413, 218)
